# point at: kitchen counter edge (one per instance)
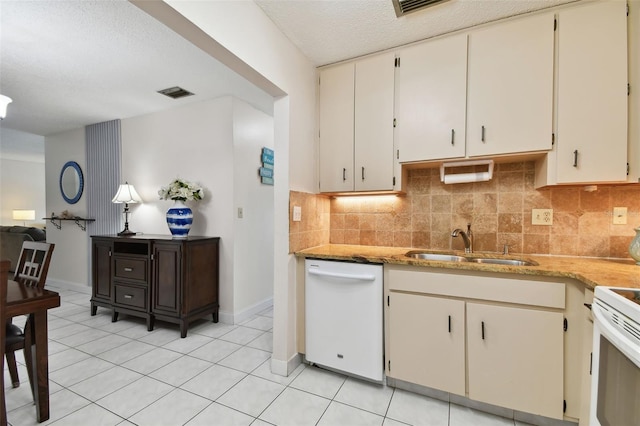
(590, 271)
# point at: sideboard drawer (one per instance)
(133, 269)
(131, 296)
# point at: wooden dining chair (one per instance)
(4, 277)
(32, 269)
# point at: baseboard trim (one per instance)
(68, 285)
(247, 313)
(284, 368)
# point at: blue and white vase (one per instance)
(179, 219)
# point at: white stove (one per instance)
(615, 381)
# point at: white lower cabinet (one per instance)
(515, 358)
(428, 332)
(497, 340)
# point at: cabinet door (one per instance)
(592, 93)
(515, 358)
(101, 254)
(431, 93)
(167, 278)
(510, 87)
(337, 86)
(374, 123)
(426, 341)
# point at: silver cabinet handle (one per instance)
(482, 138)
(453, 132)
(128, 269)
(128, 296)
(575, 158)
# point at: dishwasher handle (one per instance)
(358, 277)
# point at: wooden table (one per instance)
(24, 300)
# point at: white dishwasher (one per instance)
(343, 317)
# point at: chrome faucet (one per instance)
(467, 237)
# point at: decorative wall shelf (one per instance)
(80, 221)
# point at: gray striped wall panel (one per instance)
(103, 177)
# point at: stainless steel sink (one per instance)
(444, 257)
(436, 256)
(511, 262)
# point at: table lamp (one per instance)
(126, 194)
(24, 215)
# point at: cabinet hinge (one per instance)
(397, 154)
(628, 89)
(394, 180)
(590, 363)
(627, 169)
(397, 63)
(109, 253)
(152, 258)
(627, 9)
(394, 122)
(318, 80)
(555, 24)
(564, 405)
(565, 324)
(389, 365)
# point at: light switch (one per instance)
(619, 215)
(297, 213)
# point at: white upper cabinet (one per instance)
(337, 87)
(510, 87)
(431, 84)
(592, 93)
(374, 123)
(356, 125)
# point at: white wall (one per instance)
(253, 245)
(70, 261)
(22, 176)
(217, 144)
(193, 142)
(22, 187)
(249, 35)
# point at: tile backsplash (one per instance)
(499, 212)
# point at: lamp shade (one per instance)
(4, 101)
(24, 215)
(126, 194)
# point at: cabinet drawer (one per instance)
(133, 269)
(130, 296)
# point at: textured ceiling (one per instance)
(329, 31)
(67, 64)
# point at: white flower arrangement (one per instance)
(181, 190)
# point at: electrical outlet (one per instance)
(297, 213)
(619, 215)
(542, 217)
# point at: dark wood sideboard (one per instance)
(156, 277)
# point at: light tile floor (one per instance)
(104, 373)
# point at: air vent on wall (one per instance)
(175, 92)
(403, 7)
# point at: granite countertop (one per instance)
(590, 271)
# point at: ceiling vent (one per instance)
(403, 7)
(175, 92)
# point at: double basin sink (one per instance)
(443, 257)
